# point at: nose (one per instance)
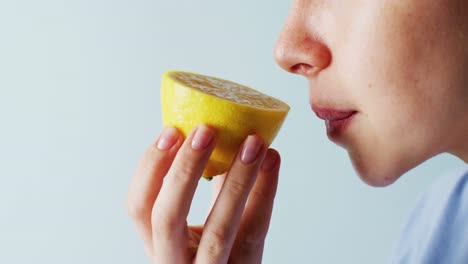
(299, 48)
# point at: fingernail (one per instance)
(203, 137)
(168, 138)
(251, 149)
(270, 161)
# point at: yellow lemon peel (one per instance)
(233, 110)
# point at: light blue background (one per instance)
(79, 103)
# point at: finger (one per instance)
(147, 181)
(218, 182)
(222, 223)
(248, 246)
(173, 203)
(194, 237)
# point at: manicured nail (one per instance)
(270, 161)
(251, 149)
(203, 137)
(168, 138)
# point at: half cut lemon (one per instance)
(233, 110)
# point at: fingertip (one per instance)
(168, 137)
(253, 149)
(271, 160)
(202, 138)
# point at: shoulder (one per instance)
(446, 193)
(437, 228)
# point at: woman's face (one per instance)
(394, 72)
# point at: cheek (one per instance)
(391, 64)
(386, 71)
(393, 134)
(394, 61)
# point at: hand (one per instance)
(162, 190)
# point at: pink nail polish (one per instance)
(203, 137)
(251, 149)
(168, 138)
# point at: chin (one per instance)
(378, 173)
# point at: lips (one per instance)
(336, 120)
(331, 114)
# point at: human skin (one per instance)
(163, 187)
(401, 65)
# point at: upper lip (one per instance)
(331, 114)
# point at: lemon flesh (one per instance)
(233, 110)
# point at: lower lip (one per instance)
(336, 127)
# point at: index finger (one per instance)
(147, 181)
(170, 236)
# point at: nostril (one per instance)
(303, 69)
